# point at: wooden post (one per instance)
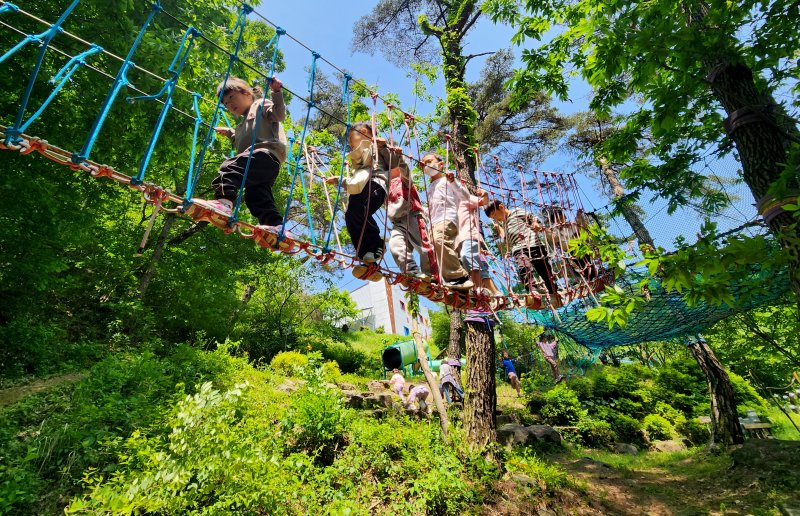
(434, 387)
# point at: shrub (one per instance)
(658, 428)
(596, 433)
(288, 362)
(316, 418)
(561, 406)
(693, 430)
(627, 429)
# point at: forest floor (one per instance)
(760, 477)
(16, 393)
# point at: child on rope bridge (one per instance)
(409, 229)
(371, 161)
(520, 230)
(268, 153)
(445, 195)
(562, 232)
(470, 243)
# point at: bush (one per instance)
(561, 406)
(693, 430)
(316, 418)
(596, 433)
(658, 428)
(287, 363)
(627, 429)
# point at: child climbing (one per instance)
(371, 161)
(444, 198)
(562, 231)
(262, 117)
(398, 383)
(508, 366)
(548, 345)
(409, 229)
(520, 230)
(418, 394)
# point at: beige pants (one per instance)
(444, 243)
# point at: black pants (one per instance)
(264, 168)
(361, 225)
(535, 259)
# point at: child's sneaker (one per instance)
(372, 257)
(422, 276)
(367, 272)
(463, 283)
(277, 230)
(223, 206)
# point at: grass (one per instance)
(781, 427)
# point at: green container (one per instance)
(403, 354)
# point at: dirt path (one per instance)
(14, 394)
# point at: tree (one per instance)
(686, 62)
(725, 427)
(587, 138)
(413, 27)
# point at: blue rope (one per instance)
(61, 78)
(274, 41)
(174, 70)
(345, 100)
(194, 174)
(8, 6)
(311, 79)
(44, 39)
(120, 81)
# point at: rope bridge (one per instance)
(555, 196)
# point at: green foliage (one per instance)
(561, 406)
(596, 433)
(316, 419)
(658, 428)
(49, 440)
(288, 363)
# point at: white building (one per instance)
(384, 306)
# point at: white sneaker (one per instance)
(422, 276)
(223, 206)
(371, 257)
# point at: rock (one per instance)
(377, 401)
(523, 480)
(625, 449)
(668, 446)
(347, 386)
(511, 434)
(790, 510)
(353, 400)
(506, 419)
(544, 433)
(378, 385)
(288, 387)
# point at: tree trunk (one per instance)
(628, 211)
(762, 133)
(480, 400)
(147, 277)
(432, 383)
(456, 340)
(725, 427)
